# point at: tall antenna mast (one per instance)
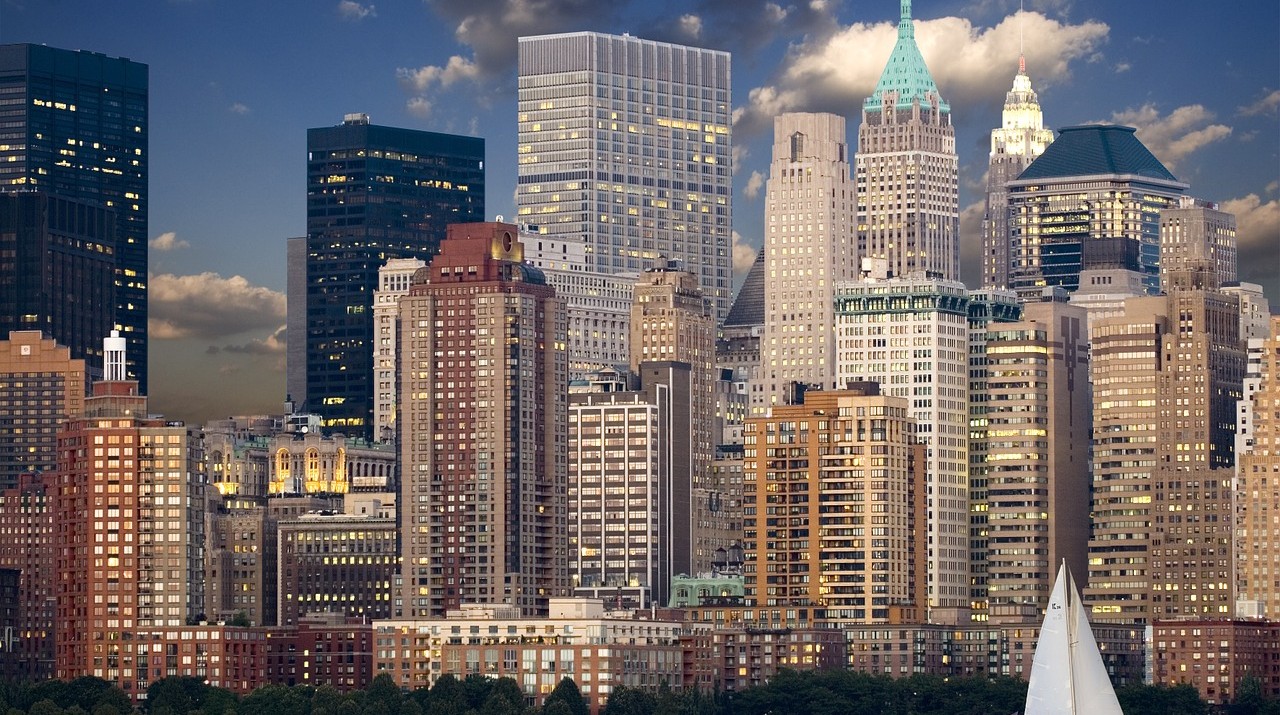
(1022, 60)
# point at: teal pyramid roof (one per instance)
(906, 72)
(1096, 149)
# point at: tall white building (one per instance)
(809, 246)
(597, 304)
(394, 279)
(911, 335)
(624, 146)
(1020, 138)
(908, 174)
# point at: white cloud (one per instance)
(1171, 138)
(1268, 104)
(239, 108)
(424, 78)
(754, 184)
(1258, 239)
(354, 11)
(207, 305)
(1122, 67)
(691, 26)
(744, 254)
(970, 64)
(167, 241)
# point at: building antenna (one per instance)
(1022, 60)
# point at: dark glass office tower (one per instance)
(373, 193)
(73, 126)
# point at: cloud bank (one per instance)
(209, 306)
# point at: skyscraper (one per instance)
(1193, 231)
(1166, 376)
(625, 149)
(833, 501)
(373, 193)
(77, 130)
(130, 514)
(394, 279)
(908, 175)
(1020, 138)
(1092, 199)
(1258, 536)
(1038, 434)
(912, 335)
(808, 247)
(483, 429)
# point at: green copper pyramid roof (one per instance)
(906, 72)
(1095, 149)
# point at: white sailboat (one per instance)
(1067, 674)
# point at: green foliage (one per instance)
(240, 620)
(568, 695)
(1161, 699)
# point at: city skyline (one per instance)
(247, 86)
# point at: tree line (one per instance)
(831, 692)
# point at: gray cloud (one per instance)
(209, 306)
(1258, 239)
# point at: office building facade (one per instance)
(908, 179)
(76, 133)
(1166, 375)
(832, 500)
(393, 283)
(374, 193)
(1020, 139)
(1092, 199)
(1193, 231)
(41, 386)
(1038, 432)
(484, 374)
(808, 247)
(625, 148)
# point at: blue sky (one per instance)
(235, 85)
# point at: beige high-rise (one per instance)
(908, 174)
(1258, 486)
(1037, 458)
(41, 386)
(809, 246)
(673, 321)
(1166, 375)
(833, 504)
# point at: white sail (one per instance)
(1067, 674)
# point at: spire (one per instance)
(905, 75)
(1022, 60)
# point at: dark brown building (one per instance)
(26, 545)
(333, 562)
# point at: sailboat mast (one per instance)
(1072, 637)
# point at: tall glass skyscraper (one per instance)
(625, 147)
(373, 193)
(73, 128)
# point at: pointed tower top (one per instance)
(906, 73)
(1022, 64)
